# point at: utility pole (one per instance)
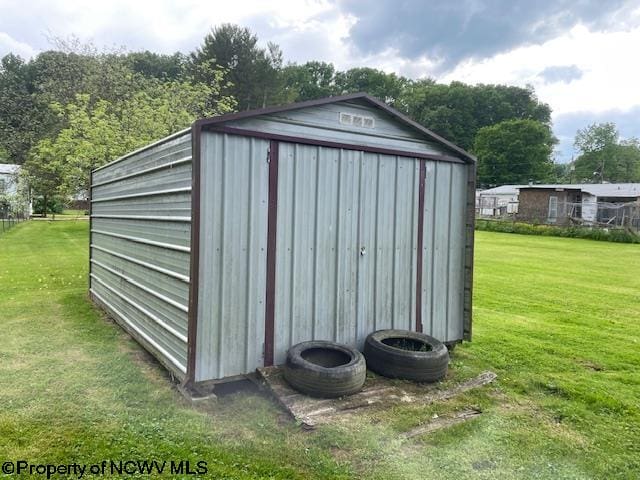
(572, 169)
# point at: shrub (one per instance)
(54, 205)
(602, 234)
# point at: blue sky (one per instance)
(580, 55)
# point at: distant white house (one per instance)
(12, 200)
(9, 179)
(498, 201)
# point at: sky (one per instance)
(581, 56)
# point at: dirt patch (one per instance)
(590, 365)
(483, 465)
(442, 422)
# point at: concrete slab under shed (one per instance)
(309, 411)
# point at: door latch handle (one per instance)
(363, 251)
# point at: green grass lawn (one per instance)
(6, 225)
(558, 320)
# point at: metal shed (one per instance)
(219, 247)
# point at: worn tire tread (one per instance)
(317, 381)
(392, 362)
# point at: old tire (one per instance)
(429, 364)
(325, 369)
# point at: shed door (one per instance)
(233, 244)
(345, 245)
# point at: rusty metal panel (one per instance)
(233, 238)
(140, 245)
(347, 224)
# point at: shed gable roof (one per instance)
(362, 97)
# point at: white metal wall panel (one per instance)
(168, 151)
(233, 248)
(332, 203)
(160, 178)
(175, 235)
(444, 245)
(457, 242)
(168, 204)
(140, 238)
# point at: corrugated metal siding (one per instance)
(444, 249)
(140, 233)
(332, 203)
(322, 123)
(233, 249)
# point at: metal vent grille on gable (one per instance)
(357, 120)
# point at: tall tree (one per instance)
(314, 79)
(310, 80)
(19, 119)
(596, 137)
(457, 111)
(628, 160)
(27, 89)
(253, 72)
(388, 87)
(157, 65)
(102, 131)
(603, 157)
(513, 152)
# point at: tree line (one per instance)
(73, 108)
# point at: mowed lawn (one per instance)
(557, 319)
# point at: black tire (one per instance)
(325, 369)
(390, 361)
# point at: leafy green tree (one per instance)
(254, 73)
(458, 111)
(513, 152)
(27, 89)
(596, 137)
(58, 76)
(310, 80)
(603, 157)
(43, 177)
(157, 65)
(388, 87)
(628, 161)
(19, 119)
(563, 173)
(320, 79)
(98, 133)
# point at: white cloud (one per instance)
(11, 45)
(160, 25)
(609, 79)
(605, 61)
